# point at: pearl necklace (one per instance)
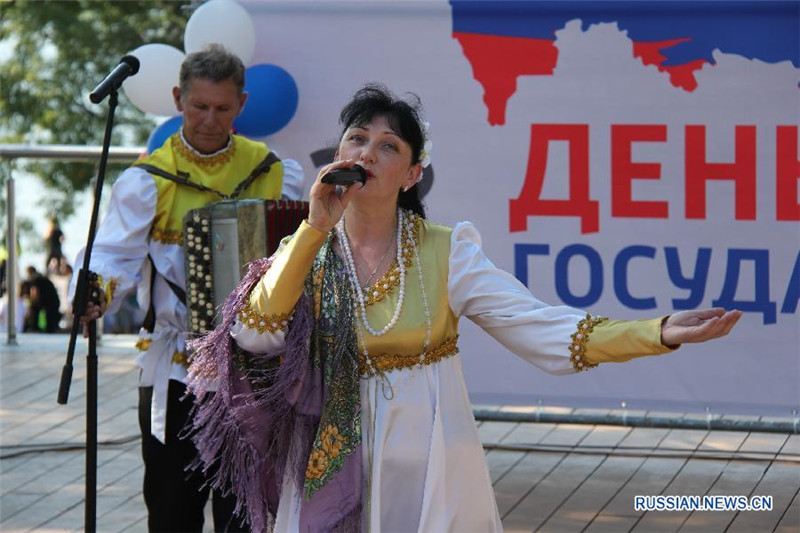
(351, 272)
(427, 343)
(360, 307)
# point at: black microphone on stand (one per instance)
(128, 66)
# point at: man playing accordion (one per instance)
(140, 245)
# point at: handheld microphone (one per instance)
(345, 176)
(128, 66)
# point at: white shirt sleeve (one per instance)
(251, 340)
(121, 242)
(293, 177)
(505, 308)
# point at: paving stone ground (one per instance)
(557, 477)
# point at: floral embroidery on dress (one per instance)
(391, 279)
(109, 287)
(579, 340)
(219, 158)
(167, 236)
(331, 441)
(317, 465)
(389, 362)
(143, 344)
(272, 323)
(180, 358)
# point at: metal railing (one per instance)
(64, 152)
(788, 425)
(61, 152)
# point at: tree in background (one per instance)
(52, 54)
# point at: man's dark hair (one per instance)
(214, 63)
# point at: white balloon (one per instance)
(224, 22)
(151, 88)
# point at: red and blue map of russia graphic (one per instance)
(503, 40)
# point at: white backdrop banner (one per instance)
(628, 158)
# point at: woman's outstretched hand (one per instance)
(326, 204)
(698, 326)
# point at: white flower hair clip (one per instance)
(427, 146)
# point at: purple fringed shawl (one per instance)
(259, 422)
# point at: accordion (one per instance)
(220, 239)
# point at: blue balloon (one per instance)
(271, 101)
(163, 132)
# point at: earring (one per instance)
(405, 189)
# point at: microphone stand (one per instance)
(79, 308)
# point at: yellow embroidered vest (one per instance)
(401, 347)
(222, 173)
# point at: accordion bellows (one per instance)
(220, 239)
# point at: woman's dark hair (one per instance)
(375, 100)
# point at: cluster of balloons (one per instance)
(272, 99)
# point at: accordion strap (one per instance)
(149, 323)
(183, 178)
(261, 168)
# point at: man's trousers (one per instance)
(175, 497)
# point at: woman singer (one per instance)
(341, 403)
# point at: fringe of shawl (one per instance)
(247, 437)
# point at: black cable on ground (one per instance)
(46, 447)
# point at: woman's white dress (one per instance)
(424, 465)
